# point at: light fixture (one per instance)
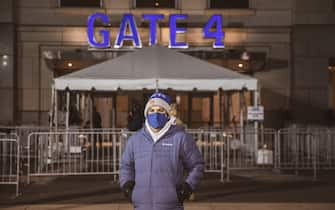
(330, 68)
(240, 65)
(5, 57)
(156, 4)
(69, 64)
(4, 63)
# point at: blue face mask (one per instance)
(157, 120)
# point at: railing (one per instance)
(300, 149)
(99, 151)
(9, 160)
(87, 153)
(75, 153)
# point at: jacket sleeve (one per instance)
(127, 166)
(193, 161)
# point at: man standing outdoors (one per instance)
(153, 163)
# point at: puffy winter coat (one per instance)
(158, 168)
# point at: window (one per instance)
(80, 3)
(155, 3)
(229, 4)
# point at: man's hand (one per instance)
(127, 189)
(184, 192)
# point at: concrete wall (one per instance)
(313, 41)
(6, 11)
(295, 32)
(7, 82)
(34, 77)
(261, 12)
(314, 12)
(265, 27)
(310, 74)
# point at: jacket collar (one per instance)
(147, 135)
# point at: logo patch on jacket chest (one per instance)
(167, 145)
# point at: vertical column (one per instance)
(189, 115)
(220, 108)
(242, 108)
(114, 117)
(256, 125)
(211, 111)
(67, 109)
(226, 114)
(51, 112)
(7, 71)
(78, 102)
(91, 104)
(56, 110)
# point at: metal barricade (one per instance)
(212, 146)
(252, 149)
(99, 153)
(306, 149)
(24, 131)
(10, 160)
(236, 149)
(84, 152)
(75, 153)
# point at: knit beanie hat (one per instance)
(158, 99)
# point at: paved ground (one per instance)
(248, 190)
(201, 206)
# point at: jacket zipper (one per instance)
(150, 183)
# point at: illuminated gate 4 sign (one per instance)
(128, 21)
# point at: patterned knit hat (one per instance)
(158, 99)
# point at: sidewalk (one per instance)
(201, 206)
(248, 190)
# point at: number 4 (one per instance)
(218, 34)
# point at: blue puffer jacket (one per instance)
(157, 168)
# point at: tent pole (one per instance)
(226, 109)
(86, 110)
(190, 107)
(256, 125)
(211, 110)
(114, 111)
(220, 108)
(67, 109)
(56, 110)
(51, 112)
(66, 145)
(78, 101)
(241, 116)
(91, 110)
(260, 102)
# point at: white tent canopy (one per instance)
(151, 68)
(155, 68)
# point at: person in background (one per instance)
(74, 117)
(174, 113)
(96, 119)
(97, 138)
(135, 118)
(155, 158)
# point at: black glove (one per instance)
(127, 189)
(184, 192)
